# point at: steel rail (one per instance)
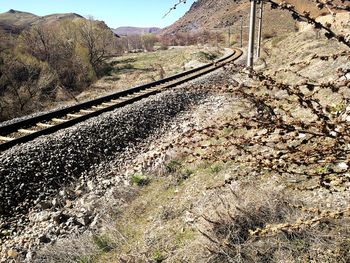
(47, 123)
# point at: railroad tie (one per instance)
(44, 125)
(99, 107)
(74, 115)
(26, 131)
(87, 111)
(108, 104)
(156, 87)
(6, 139)
(59, 120)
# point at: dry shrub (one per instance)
(231, 225)
(72, 250)
(86, 247)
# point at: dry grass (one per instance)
(230, 225)
(289, 57)
(83, 250)
(136, 69)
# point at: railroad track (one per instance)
(31, 128)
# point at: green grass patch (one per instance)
(227, 131)
(215, 169)
(103, 243)
(276, 40)
(140, 180)
(183, 238)
(205, 56)
(173, 166)
(158, 257)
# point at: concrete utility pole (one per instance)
(241, 18)
(251, 35)
(229, 36)
(260, 28)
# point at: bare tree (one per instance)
(23, 83)
(148, 41)
(97, 40)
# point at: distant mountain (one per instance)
(128, 30)
(15, 21)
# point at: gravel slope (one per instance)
(33, 171)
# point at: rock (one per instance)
(63, 193)
(41, 216)
(90, 185)
(228, 178)
(60, 218)
(55, 202)
(45, 166)
(45, 205)
(188, 218)
(12, 253)
(69, 204)
(342, 166)
(95, 221)
(333, 133)
(301, 135)
(29, 256)
(84, 219)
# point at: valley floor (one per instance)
(131, 70)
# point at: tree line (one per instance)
(34, 65)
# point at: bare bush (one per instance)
(82, 249)
(231, 229)
(25, 84)
(148, 41)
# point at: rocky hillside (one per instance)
(128, 30)
(221, 14)
(15, 21)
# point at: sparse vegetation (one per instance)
(186, 39)
(39, 68)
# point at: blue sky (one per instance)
(142, 13)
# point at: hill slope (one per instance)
(15, 21)
(220, 14)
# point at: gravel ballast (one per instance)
(33, 171)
